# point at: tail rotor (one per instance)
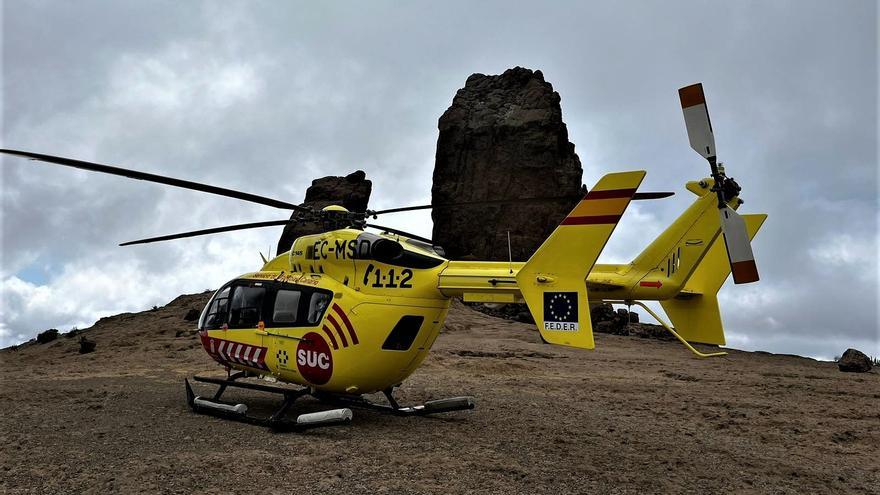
(702, 140)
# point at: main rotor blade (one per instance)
(215, 230)
(636, 197)
(739, 248)
(641, 196)
(696, 120)
(168, 181)
(401, 232)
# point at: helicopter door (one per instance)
(285, 313)
(293, 312)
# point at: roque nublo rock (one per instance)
(502, 138)
(352, 191)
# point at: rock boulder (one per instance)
(86, 346)
(854, 361)
(192, 315)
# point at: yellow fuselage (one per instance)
(349, 345)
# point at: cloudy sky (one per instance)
(266, 96)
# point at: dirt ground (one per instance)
(633, 416)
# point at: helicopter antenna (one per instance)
(509, 254)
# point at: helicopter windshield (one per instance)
(215, 312)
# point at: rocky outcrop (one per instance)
(854, 361)
(502, 138)
(351, 191)
(605, 319)
(86, 346)
(47, 336)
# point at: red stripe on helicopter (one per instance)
(591, 220)
(609, 194)
(338, 329)
(331, 337)
(354, 337)
(656, 284)
(227, 352)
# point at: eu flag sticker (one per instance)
(561, 311)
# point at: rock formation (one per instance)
(47, 336)
(351, 191)
(854, 361)
(502, 138)
(86, 346)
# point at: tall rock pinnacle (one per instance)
(502, 138)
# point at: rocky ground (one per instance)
(633, 416)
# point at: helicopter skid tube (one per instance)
(430, 407)
(238, 412)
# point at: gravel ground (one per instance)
(633, 416)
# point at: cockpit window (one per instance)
(217, 311)
(286, 307)
(299, 306)
(318, 303)
(247, 306)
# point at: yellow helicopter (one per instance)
(349, 312)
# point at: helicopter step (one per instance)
(216, 407)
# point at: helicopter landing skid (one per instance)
(430, 407)
(334, 417)
(238, 412)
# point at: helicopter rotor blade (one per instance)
(401, 232)
(488, 202)
(696, 120)
(215, 230)
(733, 226)
(642, 196)
(169, 181)
(739, 247)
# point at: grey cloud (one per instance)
(265, 96)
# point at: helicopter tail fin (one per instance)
(553, 281)
(694, 311)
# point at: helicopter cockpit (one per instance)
(244, 303)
